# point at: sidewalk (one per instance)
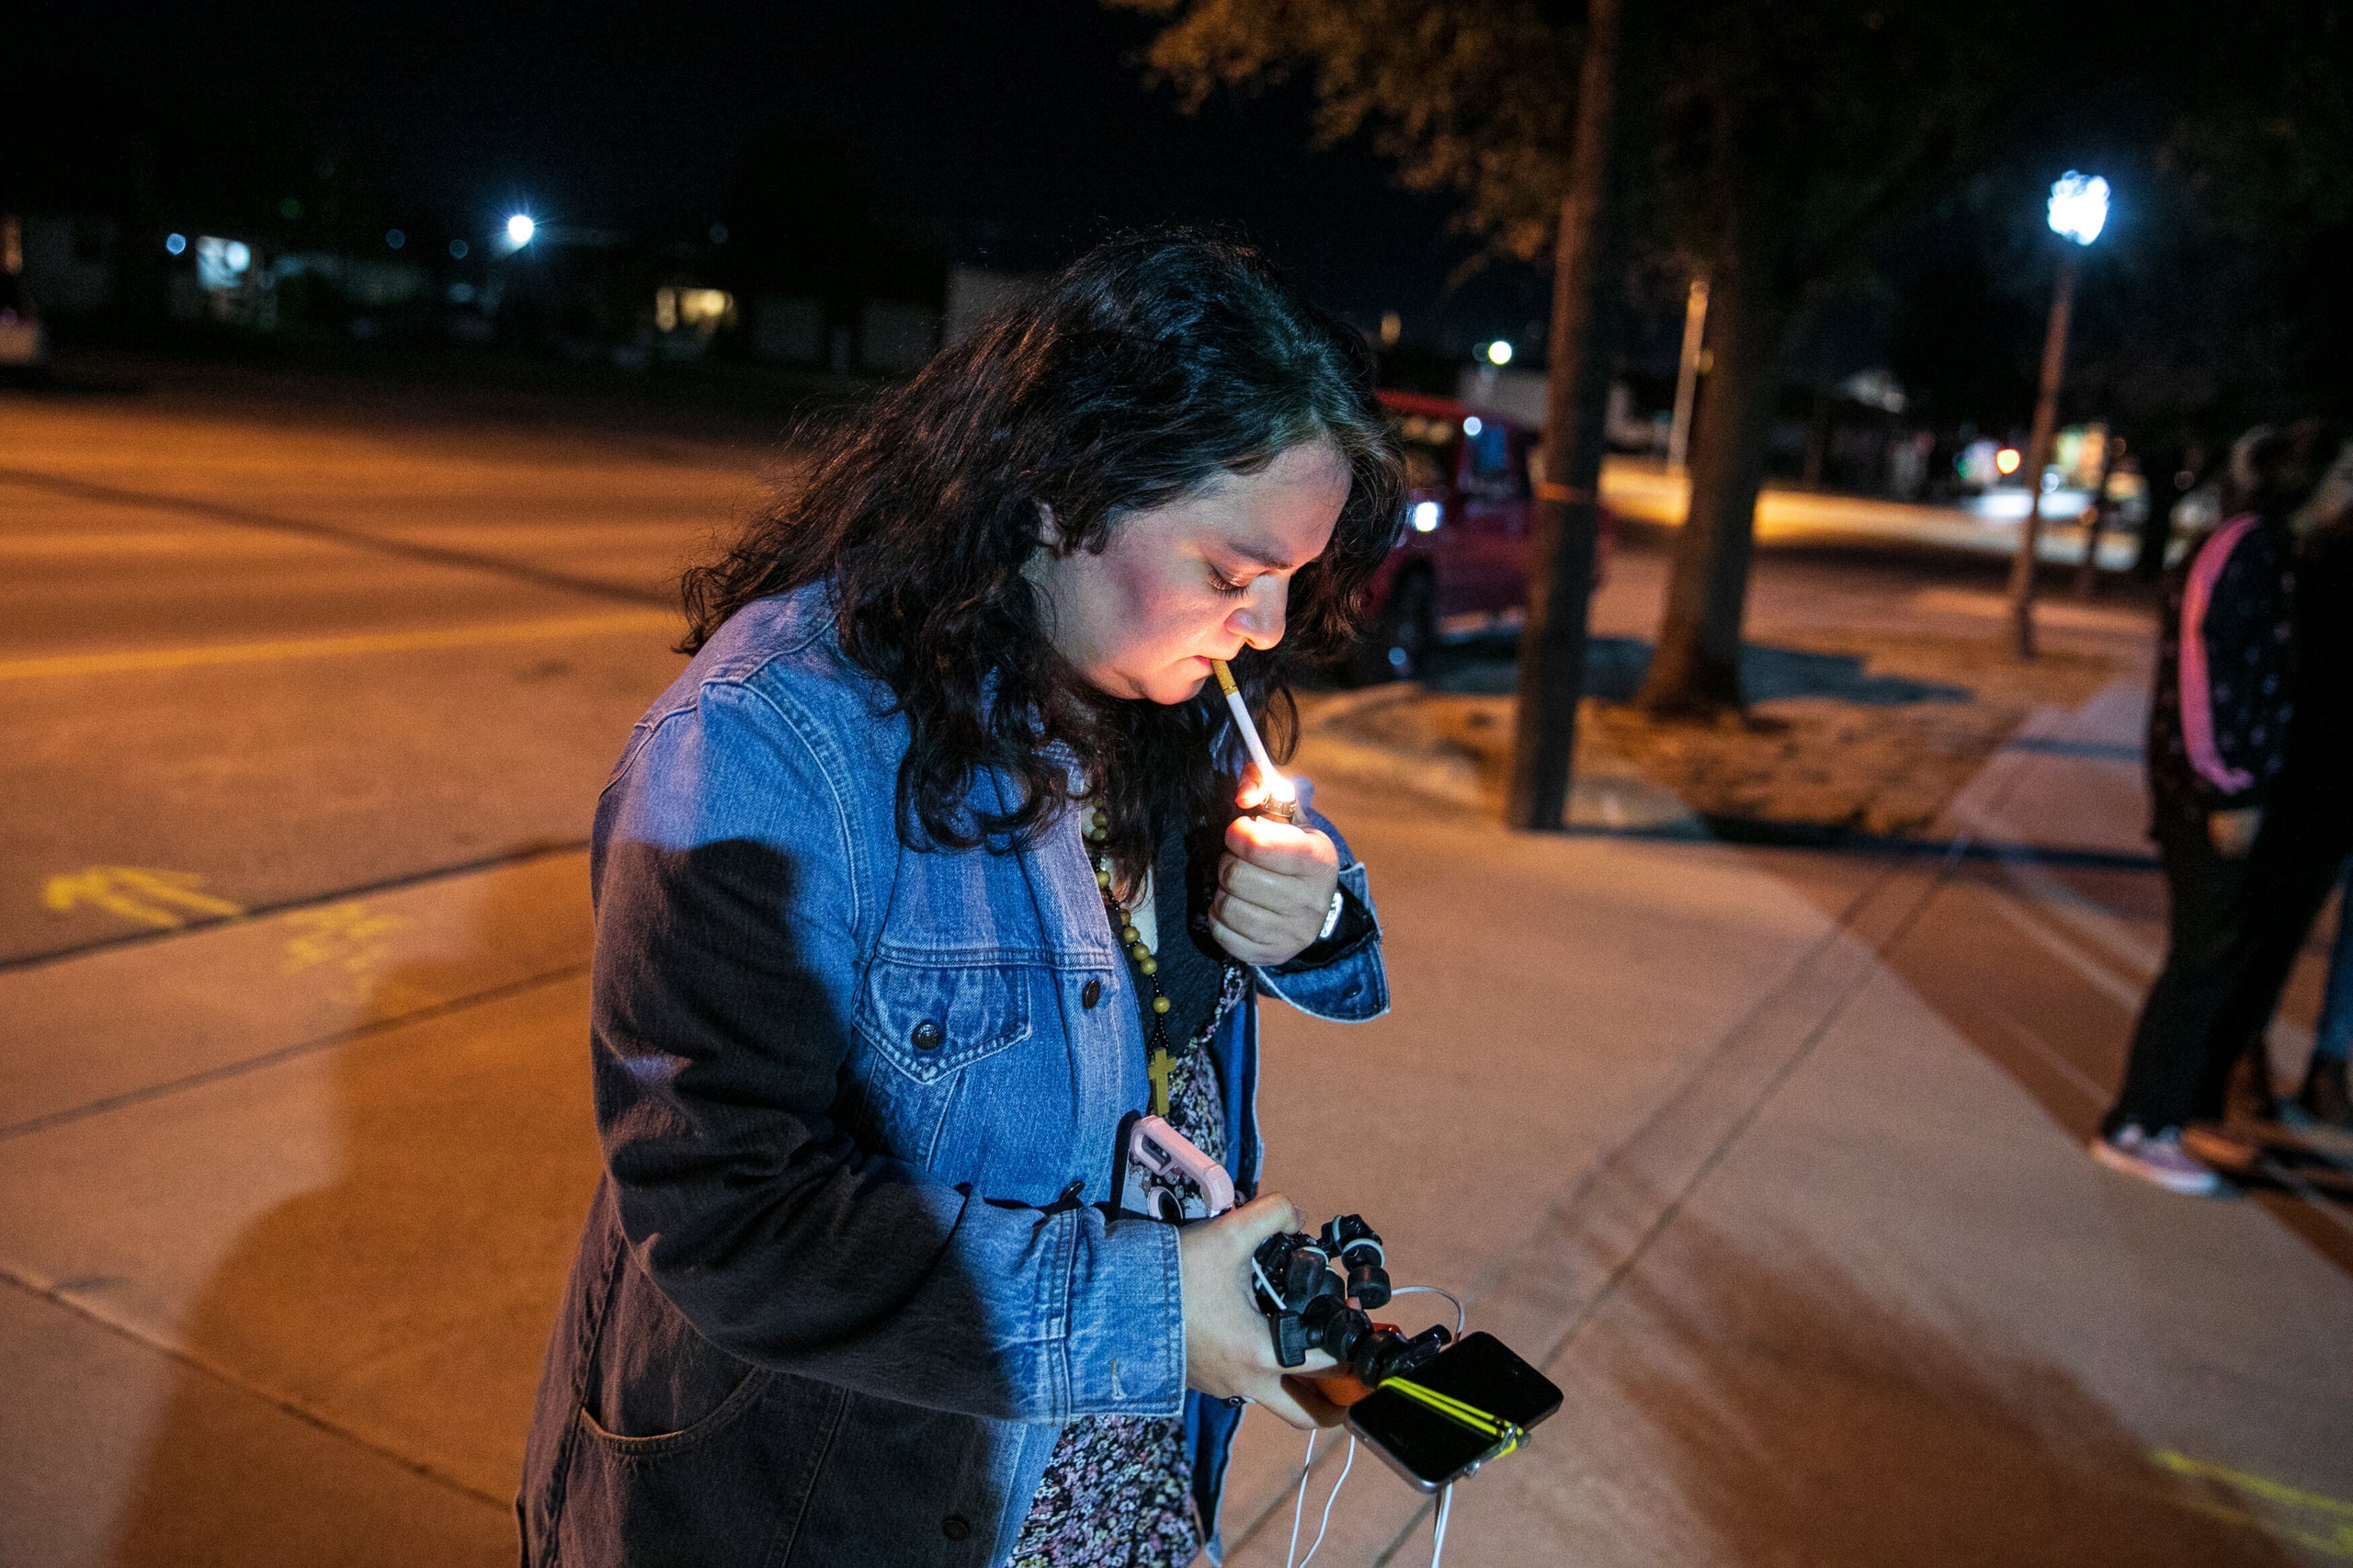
(1847, 1291)
(1772, 1157)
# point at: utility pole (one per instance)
(2037, 458)
(2078, 211)
(1586, 287)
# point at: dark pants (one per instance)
(2184, 1042)
(2307, 834)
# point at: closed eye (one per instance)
(1221, 583)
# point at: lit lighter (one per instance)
(1282, 800)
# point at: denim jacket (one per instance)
(850, 1268)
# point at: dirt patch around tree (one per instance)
(1846, 732)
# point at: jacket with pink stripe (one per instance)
(2218, 720)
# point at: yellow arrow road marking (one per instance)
(162, 899)
(477, 635)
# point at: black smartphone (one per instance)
(1430, 1449)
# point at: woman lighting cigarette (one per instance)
(1282, 800)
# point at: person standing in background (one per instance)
(2217, 747)
(2305, 844)
(2323, 1098)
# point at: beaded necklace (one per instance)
(1158, 1061)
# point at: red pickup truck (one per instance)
(1462, 567)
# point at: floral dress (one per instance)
(1118, 1491)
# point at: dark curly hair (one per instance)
(1134, 377)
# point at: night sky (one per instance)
(1011, 132)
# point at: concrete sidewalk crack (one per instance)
(236, 1384)
(368, 1031)
(1598, 1232)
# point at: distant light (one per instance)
(174, 243)
(520, 229)
(394, 238)
(719, 233)
(2078, 207)
(702, 309)
(1474, 424)
(221, 264)
(2006, 461)
(458, 248)
(1425, 514)
(1499, 352)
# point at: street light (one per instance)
(520, 229)
(2078, 211)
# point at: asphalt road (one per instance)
(266, 640)
(255, 655)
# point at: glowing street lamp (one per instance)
(1499, 352)
(520, 229)
(2078, 207)
(2078, 211)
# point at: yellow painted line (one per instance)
(359, 643)
(2254, 1486)
(165, 900)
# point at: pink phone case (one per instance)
(1157, 1154)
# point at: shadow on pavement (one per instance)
(1802, 1419)
(399, 1312)
(1615, 667)
(2015, 990)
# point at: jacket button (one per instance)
(927, 1035)
(1091, 994)
(954, 1527)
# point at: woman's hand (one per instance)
(1275, 886)
(1228, 1351)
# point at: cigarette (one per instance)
(1282, 800)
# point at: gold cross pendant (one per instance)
(1158, 1071)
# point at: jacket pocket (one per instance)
(928, 1020)
(654, 1445)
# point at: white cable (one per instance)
(1460, 1318)
(1446, 1492)
(1299, 1504)
(1327, 1522)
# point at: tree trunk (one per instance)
(1695, 670)
(1586, 266)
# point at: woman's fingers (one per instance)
(1269, 889)
(1248, 950)
(1256, 921)
(1281, 847)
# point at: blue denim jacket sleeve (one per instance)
(730, 901)
(1354, 987)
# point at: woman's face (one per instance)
(1195, 580)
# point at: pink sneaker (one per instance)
(2156, 1159)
